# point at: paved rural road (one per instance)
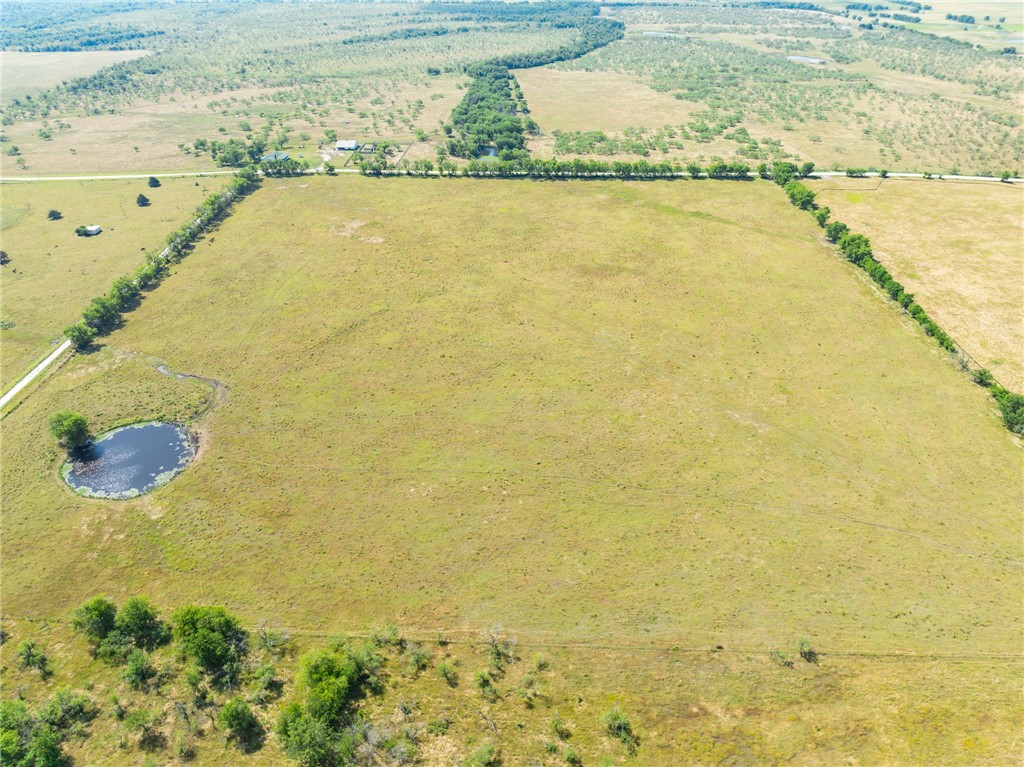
(34, 372)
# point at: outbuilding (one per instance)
(346, 146)
(278, 156)
(93, 230)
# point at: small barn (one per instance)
(278, 156)
(346, 146)
(93, 230)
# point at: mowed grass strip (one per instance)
(959, 247)
(53, 273)
(662, 413)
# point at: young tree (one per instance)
(142, 201)
(94, 619)
(70, 428)
(240, 722)
(153, 182)
(54, 214)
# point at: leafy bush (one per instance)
(448, 673)
(240, 722)
(30, 655)
(485, 684)
(67, 711)
(620, 728)
(486, 756)
(138, 670)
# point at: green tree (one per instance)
(212, 637)
(836, 230)
(142, 201)
(153, 182)
(95, 618)
(54, 214)
(70, 428)
(240, 722)
(80, 335)
(101, 313)
(139, 619)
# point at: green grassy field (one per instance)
(959, 247)
(622, 420)
(54, 274)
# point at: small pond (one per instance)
(129, 461)
(807, 60)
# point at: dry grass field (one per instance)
(54, 274)
(959, 247)
(145, 137)
(628, 422)
(24, 73)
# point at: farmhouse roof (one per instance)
(274, 156)
(347, 145)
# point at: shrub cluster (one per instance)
(36, 738)
(122, 635)
(321, 731)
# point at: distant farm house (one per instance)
(94, 229)
(346, 146)
(274, 156)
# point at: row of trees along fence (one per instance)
(530, 167)
(857, 250)
(103, 313)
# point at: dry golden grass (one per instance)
(959, 247)
(144, 138)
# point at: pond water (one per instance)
(129, 461)
(807, 60)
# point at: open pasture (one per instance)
(24, 73)
(959, 247)
(597, 413)
(53, 273)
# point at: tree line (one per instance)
(493, 113)
(856, 248)
(104, 313)
(530, 167)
